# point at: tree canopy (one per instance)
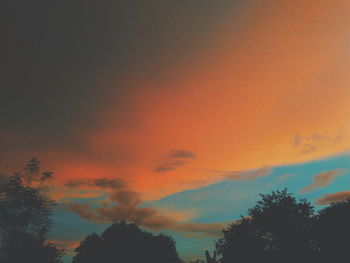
(278, 229)
(25, 217)
(332, 232)
(126, 242)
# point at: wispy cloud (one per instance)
(173, 160)
(315, 141)
(322, 179)
(125, 204)
(168, 166)
(246, 175)
(103, 183)
(182, 154)
(332, 198)
(67, 245)
(147, 217)
(87, 188)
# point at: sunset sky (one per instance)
(176, 114)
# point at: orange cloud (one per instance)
(67, 246)
(322, 180)
(127, 208)
(333, 198)
(147, 217)
(246, 175)
(316, 141)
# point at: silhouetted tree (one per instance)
(90, 250)
(26, 248)
(332, 232)
(278, 229)
(126, 242)
(241, 243)
(25, 217)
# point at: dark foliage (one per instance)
(209, 259)
(25, 217)
(26, 248)
(127, 243)
(332, 231)
(278, 229)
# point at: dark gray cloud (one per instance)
(76, 183)
(173, 160)
(114, 183)
(126, 198)
(125, 204)
(128, 208)
(56, 54)
(182, 154)
(83, 210)
(168, 165)
(103, 183)
(164, 168)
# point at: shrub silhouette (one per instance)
(127, 243)
(25, 217)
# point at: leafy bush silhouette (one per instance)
(126, 242)
(25, 217)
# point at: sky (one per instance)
(176, 115)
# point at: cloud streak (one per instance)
(173, 160)
(125, 204)
(103, 183)
(169, 166)
(147, 217)
(333, 198)
(322, 179)
(183, 154)
(315, 141)
(246, 175)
